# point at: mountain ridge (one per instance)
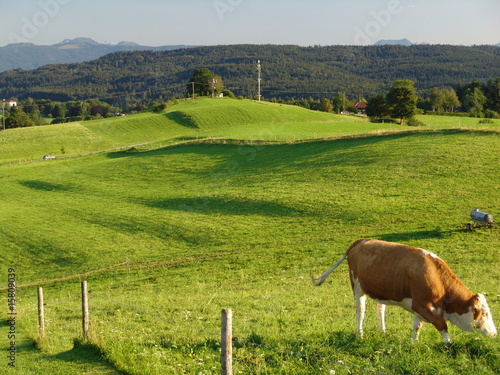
(31, 56)
(402, 42)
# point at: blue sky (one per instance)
(211, 22)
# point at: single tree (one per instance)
(204, 83)
(474, 102)
(402, 100)
(377, 107)
(59, 110)
(18, 119)
(340, 103)
(326, 105)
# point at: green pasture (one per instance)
(186, 120)
(169, 233)
(203, 118)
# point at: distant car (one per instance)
(47, 157)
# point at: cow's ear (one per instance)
(477, 313)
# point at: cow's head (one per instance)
(477, 318)
(481, 315)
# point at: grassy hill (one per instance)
(168, 234)
(186, 120)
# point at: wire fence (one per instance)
(143, 312)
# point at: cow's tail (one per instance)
(320, 280)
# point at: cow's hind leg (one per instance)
(417, 325)
(360, 299)
(381, 316)
(360, 314)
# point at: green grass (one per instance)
(220, 224)
(221, 118)
(184, 120)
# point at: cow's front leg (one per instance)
(429, 314)
(381, 316)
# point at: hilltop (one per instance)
(287, 71)
(183, 121)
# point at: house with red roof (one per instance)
(361, 107)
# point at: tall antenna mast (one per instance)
(259, 69)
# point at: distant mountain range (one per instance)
(393, 42)
(30, 56)
(403, 42)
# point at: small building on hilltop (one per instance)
(10, 103)
(361, 107)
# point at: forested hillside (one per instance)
(287, 72)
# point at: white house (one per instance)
(10, 103)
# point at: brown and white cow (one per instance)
(418, 281)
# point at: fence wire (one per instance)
(212, 333)
(154, 315)
(25, 294)
(235, 339)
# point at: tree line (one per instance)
(31, 112)
(288, 72)
(475, 99)
(402, 102)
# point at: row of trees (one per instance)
(32, 112)
(476, 99)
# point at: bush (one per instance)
(456, 114)
(386, 120)
(486, 121)
(491, 114)
(414, 122)
(158, 107)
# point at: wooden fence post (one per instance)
(41, 314)
(85, 311)
(227, 342)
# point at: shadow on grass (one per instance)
(88, 354)
(339, 141)
(44, 186)
(225, 206)
(345, 142)
(424, 234)
(182, 119)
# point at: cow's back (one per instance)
(393, 272)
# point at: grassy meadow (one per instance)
(232, 204)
